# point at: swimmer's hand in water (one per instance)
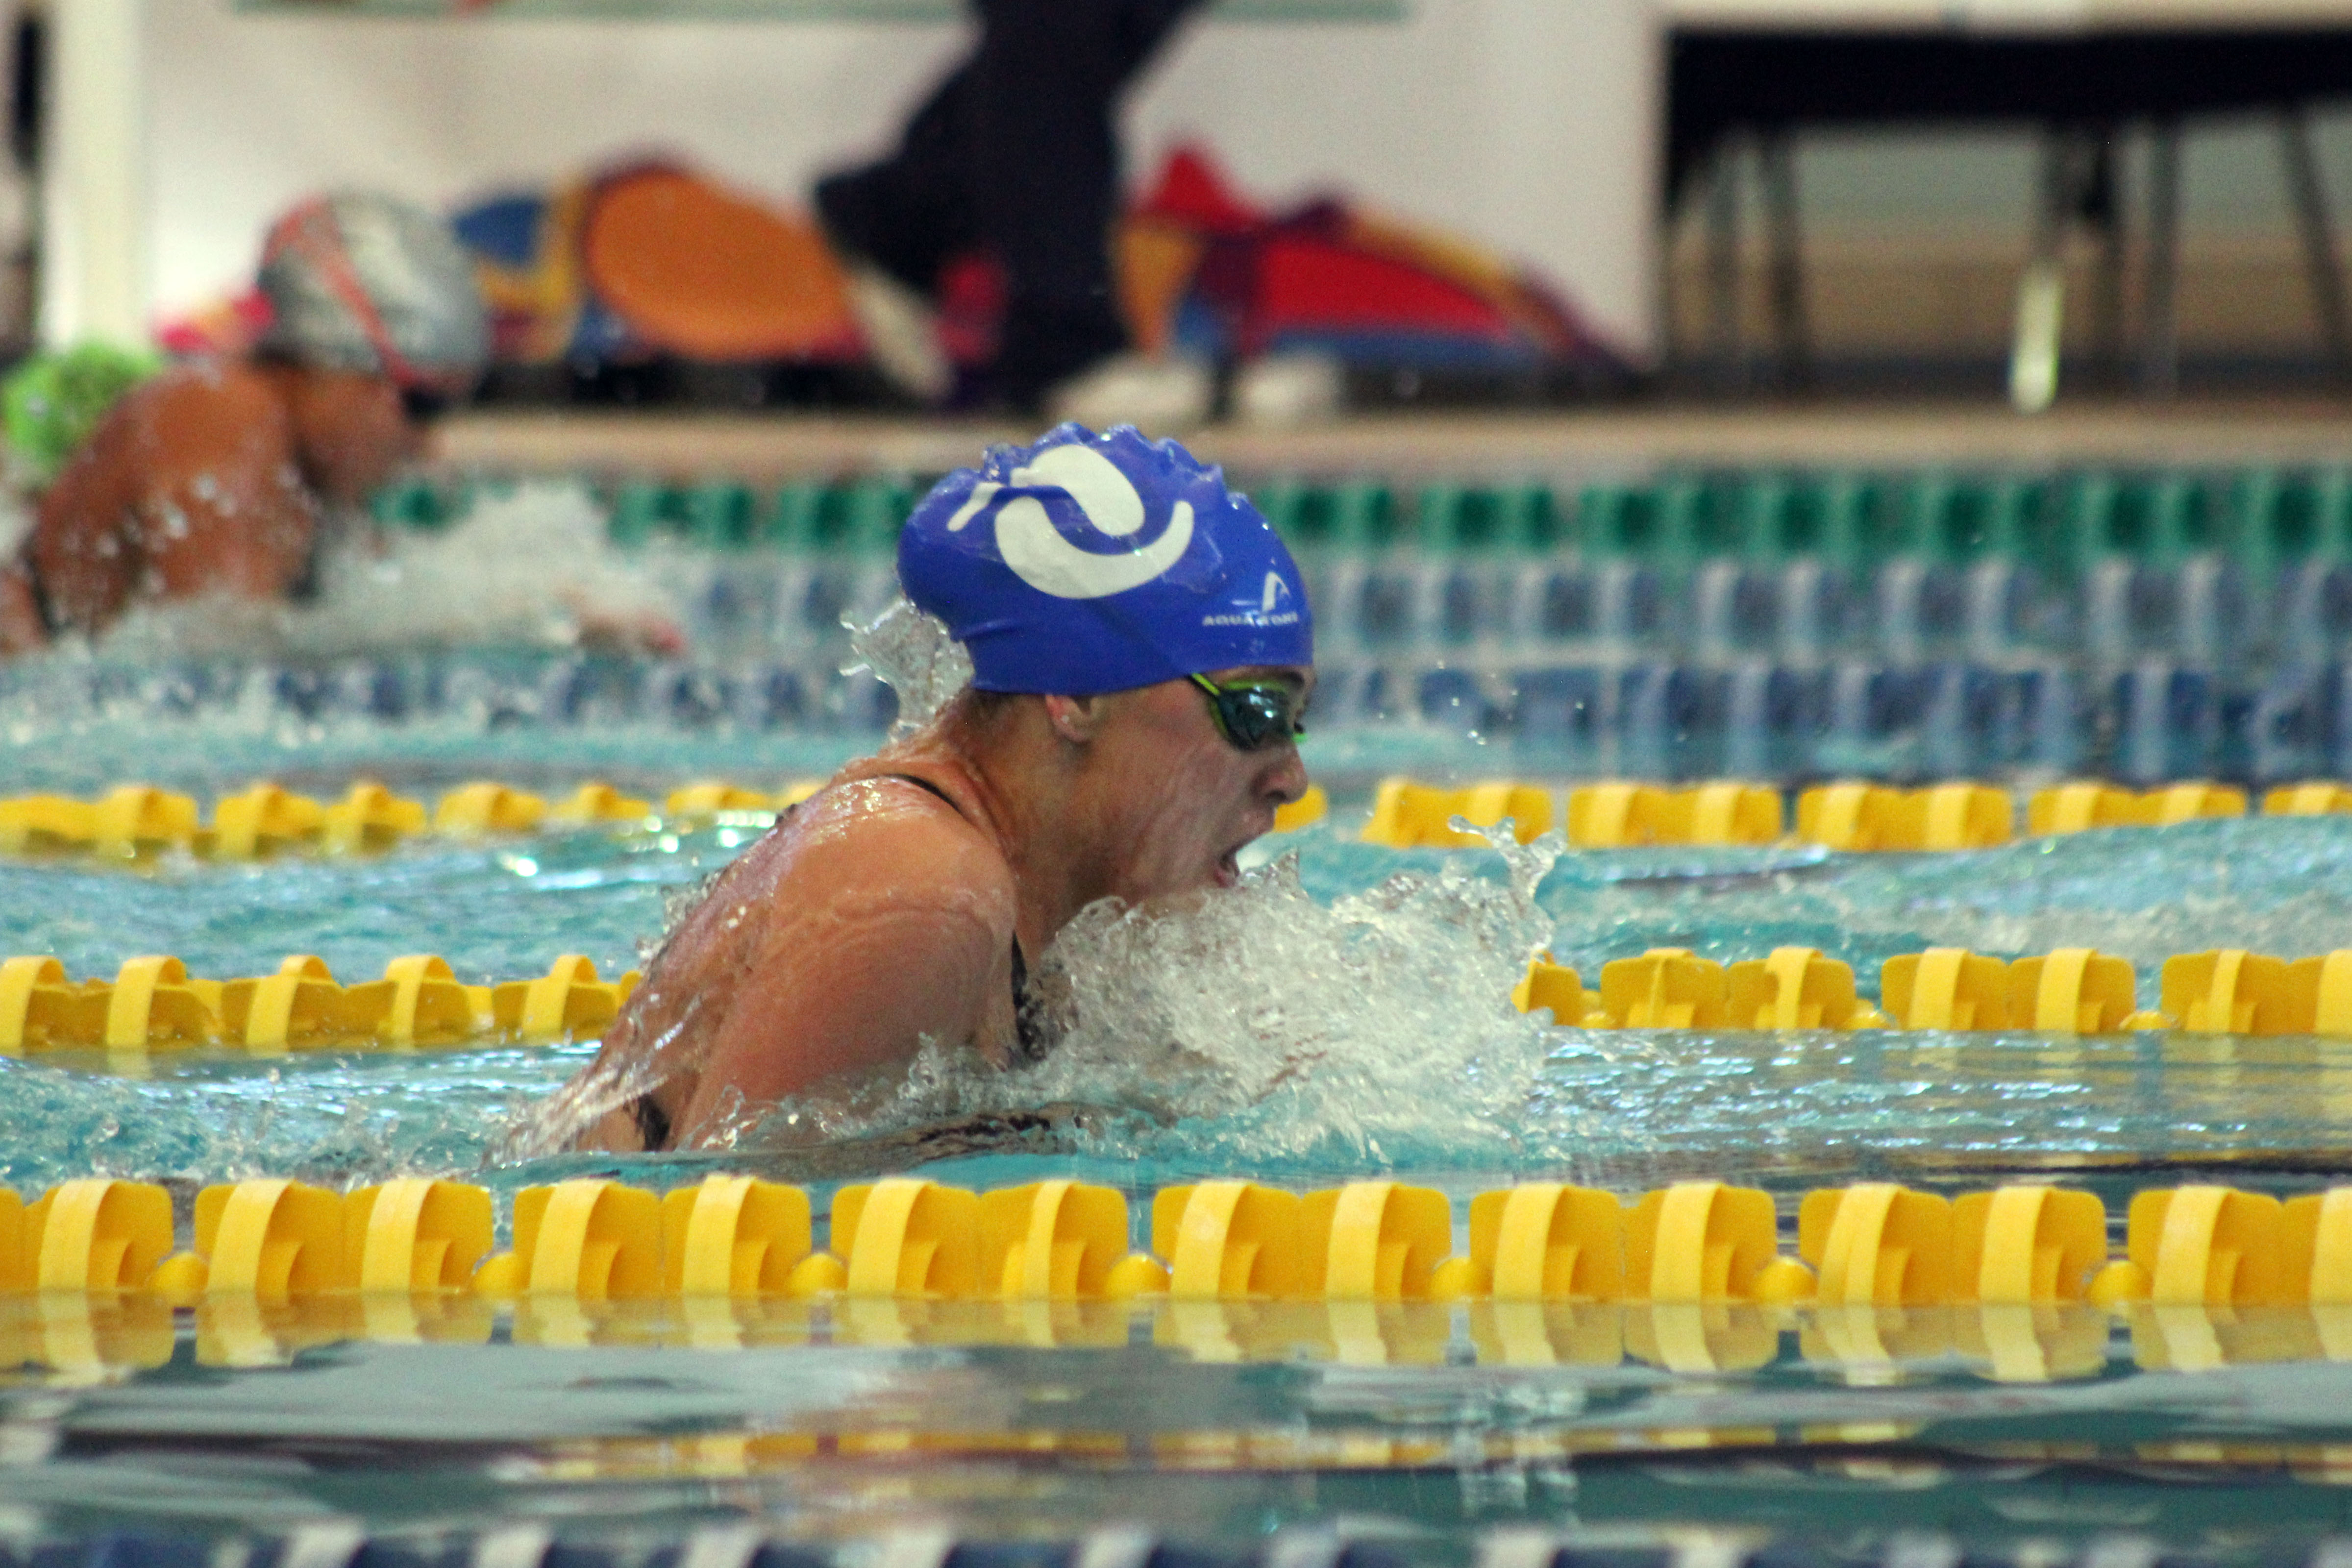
(1295, 1066)
(605, 630)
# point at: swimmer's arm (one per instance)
(245, 514)
(21, 628)
(850, 994)
(621, 631)
(77, 542)
(171, 496)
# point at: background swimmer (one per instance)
(1142, 657)
(221, 478)
(228, 477)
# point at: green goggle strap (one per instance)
(1289, 726)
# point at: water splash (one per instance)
(1254, 1025)
(2273, 884)
(1259, 1027)
(531, 564)
(912, 653)
(555, 1125)
(1343, 1012)
(334, 1119)
(1526, 864)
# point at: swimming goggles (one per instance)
(1255, 715)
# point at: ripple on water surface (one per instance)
(1343, 1012)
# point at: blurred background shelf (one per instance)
(780, 10)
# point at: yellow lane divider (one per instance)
(1854, 816)
(154, 1004)
(1306, 811)
(2070, 991)
(595, 1240)
(75, 1332)
(264, 819)
(1692, 1277)
(136, 820)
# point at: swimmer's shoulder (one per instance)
(210, 398)
(876, 825)
(218, 418)
(217, 411)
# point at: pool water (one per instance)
(1343, 1014)
(1393, 966)
(642, 1435)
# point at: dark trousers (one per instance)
(1016, 151)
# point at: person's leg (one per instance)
(911, 211)
(916, 209)
(1042, 170)
(1144, 26)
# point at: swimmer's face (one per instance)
(352, 431)
(1183, 800)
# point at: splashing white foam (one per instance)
(531, 564)
(912, 653)
(1256, 1026)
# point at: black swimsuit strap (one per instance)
(1028, 1037)
(652, 1123)
(42, 605)
(930, 788)
(1029, 1042)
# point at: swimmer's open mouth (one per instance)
(1228, 870)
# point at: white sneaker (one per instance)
(1156, 396)
(902, 334)
(1283, 391)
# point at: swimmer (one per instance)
(1142, 662)
(229, 477)
(221, 477)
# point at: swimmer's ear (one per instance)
(1074, 719)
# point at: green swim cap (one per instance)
(53, 400)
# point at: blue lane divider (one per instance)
(338, 1543)
(2151, 722)
(1902, 610)
(2105, 566)
(343, 1544)
(2147, 721)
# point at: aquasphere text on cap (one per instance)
(1087, 563)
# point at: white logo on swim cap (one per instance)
(1268, 611)
(1038, 554)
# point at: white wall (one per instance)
(95, 269)
(1528, 124)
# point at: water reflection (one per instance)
(63, 1337)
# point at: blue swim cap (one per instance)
(1093, 563)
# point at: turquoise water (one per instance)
(644, 1433)
(1342, 1014)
